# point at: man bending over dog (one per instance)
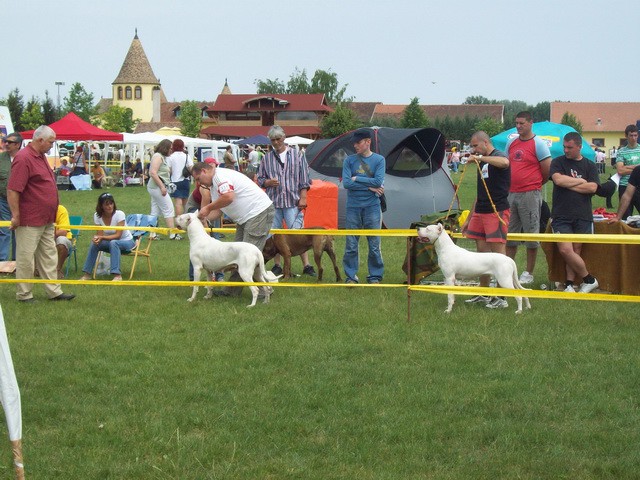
(488, 226)
(284, 174)
(235, 195)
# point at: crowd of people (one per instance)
(272, 193)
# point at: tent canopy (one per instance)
(415, 182)
(295, 140)
(72, 127)
(255, 140)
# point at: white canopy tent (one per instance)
(295, 140)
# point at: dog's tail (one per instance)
(263, 272)
(271, 277)
(516, 279)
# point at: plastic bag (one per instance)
(104, 265)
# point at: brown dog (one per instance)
(293, 245)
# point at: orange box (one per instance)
(322, 205)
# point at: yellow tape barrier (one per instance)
(519, 237)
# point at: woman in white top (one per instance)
(178, 160)
(112, 241)
(159, 179)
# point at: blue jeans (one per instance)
(5, 233)
(292, 216)
(113, 247)
(359, 219)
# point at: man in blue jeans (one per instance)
(12, 144)
(363, 177)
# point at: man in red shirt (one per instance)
(33, 199)
(529, 159)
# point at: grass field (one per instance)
(322, 383)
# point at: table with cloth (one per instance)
(616, 266)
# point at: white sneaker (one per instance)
(589, 287)
(570, 289)
(497, 302)
(478, 299)
(526, 278)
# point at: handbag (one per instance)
(383, 199)
(186, 173)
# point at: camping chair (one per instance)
(75, 233)
(136, 220)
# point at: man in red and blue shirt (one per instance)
(529, 159)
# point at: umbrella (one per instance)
(10, 396)
(551, 133)
(295, 140)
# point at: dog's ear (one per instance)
(440, 227)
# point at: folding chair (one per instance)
(75, 233)
(136, 220)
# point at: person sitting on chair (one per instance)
(111, 241)
(98, 174)
(63, 238)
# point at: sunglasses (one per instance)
(105, 196)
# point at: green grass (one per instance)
(332, 383)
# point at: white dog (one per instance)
(207, 253)
(458, 262)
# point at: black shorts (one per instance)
(571, 225)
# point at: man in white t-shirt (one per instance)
(254, 157)
(238, 197)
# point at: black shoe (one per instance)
(277, 270)
(28, 300)
(64, 296)
(309, 270)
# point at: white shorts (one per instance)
(64, 241)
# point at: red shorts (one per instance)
(487, 227)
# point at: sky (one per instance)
(384, 51)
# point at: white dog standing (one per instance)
(458, 262)
(207, 253)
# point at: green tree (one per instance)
(49, 109)
(489, 125)
(32, 116)
(270, 86)
(190, 118)
(571, 120)
(541, 112)
(414, 116)
(80, 102)
(16, 107)
(118, 119)
(340, 121)
(478, 100)
(298, 82)
(323, 81)
(327, 82)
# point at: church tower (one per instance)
(136, 86)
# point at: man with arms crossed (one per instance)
(486, 226)
(529, 159)
(363, 177)
(627, 159)
(575, 180)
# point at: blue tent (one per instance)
(255, 140)
(551, 133)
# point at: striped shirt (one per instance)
(292, 173)
(628, 156)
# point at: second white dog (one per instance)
(207, 253)
(458, 262)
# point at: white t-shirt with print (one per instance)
(249, 198)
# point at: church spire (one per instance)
(136, 67)
(225, 90)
